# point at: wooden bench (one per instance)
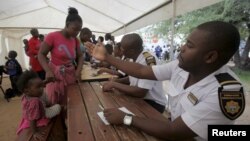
(53, 132)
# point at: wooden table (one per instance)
(85, 125)
(88, 74)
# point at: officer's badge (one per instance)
(232, 103)
(232, 107)
(150, 59)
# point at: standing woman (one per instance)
(64, 49)
(32, 51)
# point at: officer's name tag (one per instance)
(192, 98)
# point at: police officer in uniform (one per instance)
(203, 90)
(150, 90)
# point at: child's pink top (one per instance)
(32, 109)
(63, 49)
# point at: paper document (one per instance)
(125, 110)
(101, 114)
(94, 74)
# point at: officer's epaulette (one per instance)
(231, 96)
(150, 59)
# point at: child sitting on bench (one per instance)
(34, 111)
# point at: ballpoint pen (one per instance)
(101, 107)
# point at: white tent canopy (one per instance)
(101, 16)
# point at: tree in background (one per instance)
(236, 12)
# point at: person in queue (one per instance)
(64, 48)
(32, 51)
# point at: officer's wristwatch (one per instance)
(127, 120)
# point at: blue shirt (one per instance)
(11, 67)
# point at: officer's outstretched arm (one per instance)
(164, 128)
(176, 130)
(131, 68)
(137, 70)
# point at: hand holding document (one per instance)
(101, 114)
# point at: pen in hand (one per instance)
(101, 107)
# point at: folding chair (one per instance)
(1, 78)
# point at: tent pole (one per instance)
(172, 48)
(124, 29)
(145, 14)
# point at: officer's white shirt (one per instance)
(207, 111)
(124, 59)
(155, 90)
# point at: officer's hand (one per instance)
(90, 47)
(98, 51)
(114, 116)
(108, 86)
(102, 70)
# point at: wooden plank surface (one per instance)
(57, 132)
(139, 107)
(79, 128)
(125, 133)
(85, 118)
(47, 132)
(147, 109)
(89, 74)
(25, 135)
(101, 131)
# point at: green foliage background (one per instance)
(236, 12)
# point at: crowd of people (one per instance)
(196, 77)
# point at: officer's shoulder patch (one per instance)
(232, 101)
(150, 59)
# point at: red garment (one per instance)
(33, 109)
(65, 75)
(34, 45)
(63, 53)
(63, 50)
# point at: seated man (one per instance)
(151, 91)
(198, 95)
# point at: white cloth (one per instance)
(110, 42)
(124, 59)
(207, 111)
(51, 111)
(155, 90)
